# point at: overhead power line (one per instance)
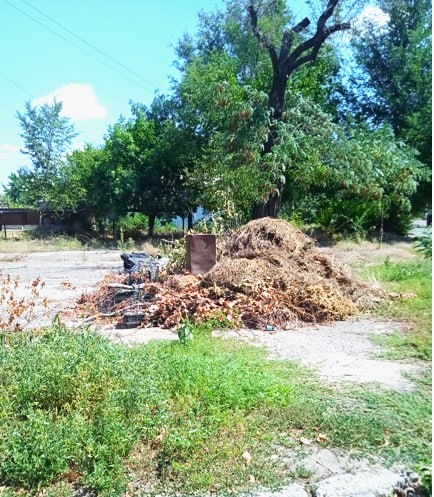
(136, 75)
(27, 92)
(101, 52)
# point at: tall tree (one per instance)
(285, 60)
(47, 137)
(266, 136)
(142, 168)
(232, 73)
(396, 84)
(80, 181)
(176, 148)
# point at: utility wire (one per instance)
(101, 52)
(5, 76)
(73, 44)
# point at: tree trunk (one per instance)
(284, 63)
(189, 221)
(270, 208)
(151, 220)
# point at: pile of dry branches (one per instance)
(270, 274)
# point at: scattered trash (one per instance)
(132, 320)
(142, 263)
(247, 457)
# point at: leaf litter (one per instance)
(269, 274)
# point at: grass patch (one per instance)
(413, 280)
(189, 417)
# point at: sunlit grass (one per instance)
(189, 417)
(412, 284)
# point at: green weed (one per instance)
(193, 416)
(404, 344)
(424, 244)
(412, 283)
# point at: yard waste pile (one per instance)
(270, 274)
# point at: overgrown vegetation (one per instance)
(200, 413)
(413, 280)
(424, 244)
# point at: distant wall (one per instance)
(18, 217)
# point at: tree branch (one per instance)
(318, 43)
(295, 59)
(301, 25)
(265, 42)
(285, 47)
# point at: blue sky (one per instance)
(39, 58)
(93, 55)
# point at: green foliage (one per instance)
(423, 244)
(393, 82)
(410, 345)
(68, 405)
(225, 95)
(82, 186)
(233, 120)
(424, 470)
(47, 137)
(404, 272)
(175, 251)
(185, 332)
(397, 59)
(74, 403)
(142, 170)
(412, 280)
(189, 330)
(206, 144)
(134, 221)
(345, 179)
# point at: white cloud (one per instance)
(6, 148)
(8, 152)
(79, 102)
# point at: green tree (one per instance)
(143, 166)
(227, 130)
(176, 149)
(113, 179)
(20, 188)
(347, 179)
(292, 54)
(81, 185)
(240, 56)
(47, 138)
(396, 84)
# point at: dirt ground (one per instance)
(339, 352)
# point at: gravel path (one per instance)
(339, 352)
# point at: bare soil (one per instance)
(342, 351)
